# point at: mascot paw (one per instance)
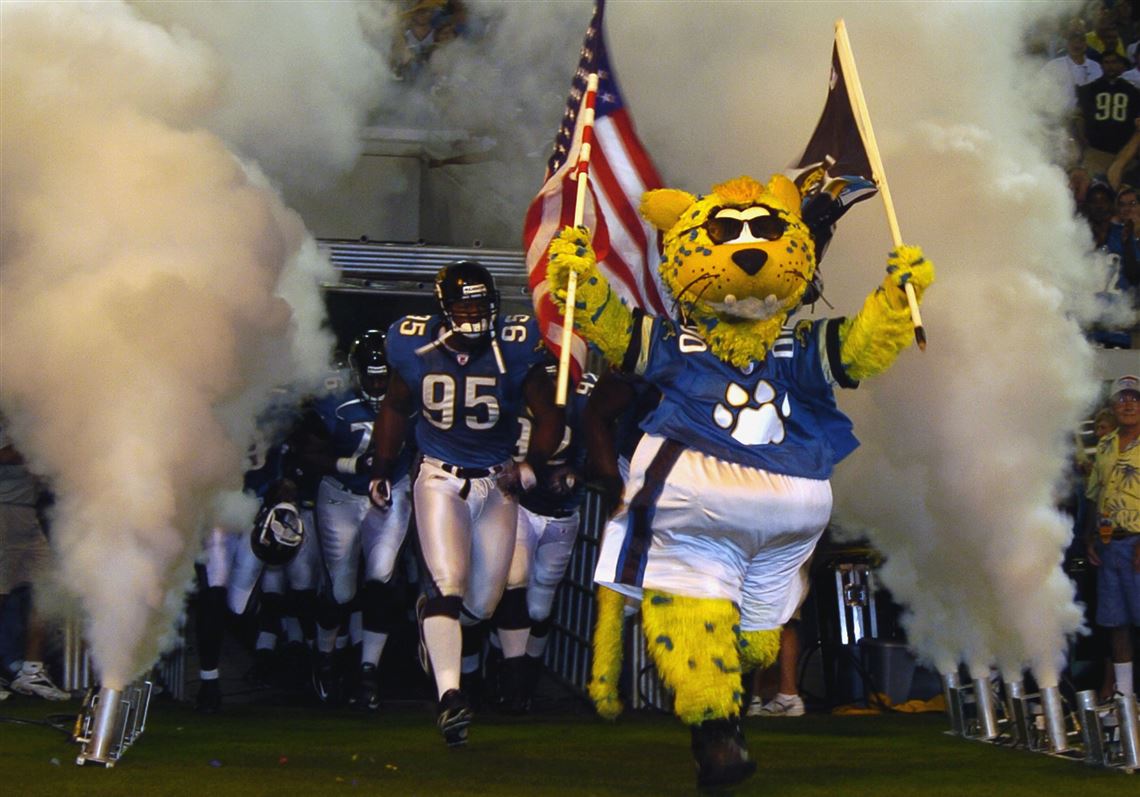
(608, 708)
(906, 264)
(570, 251)
(605, 699)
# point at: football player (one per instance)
(468, 373)
(544, 541)
(284, 588)
(349, 526)
(213, 573)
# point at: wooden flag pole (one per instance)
(867, 133)
(582, 175)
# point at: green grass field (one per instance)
(257, 749)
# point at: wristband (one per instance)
(346, 465)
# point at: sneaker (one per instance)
(721, 754)
(781, 706)
(5, 693)
(34, 680)
(422, 651)
(367, 694)
(453, 717)
(755, 708)
(210, 697)
(326, 683)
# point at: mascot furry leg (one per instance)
(700, 654)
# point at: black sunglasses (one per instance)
(721, 230)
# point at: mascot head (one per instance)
(737, 261)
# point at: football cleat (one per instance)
(33, 679)
(367, 694)
(454, 717)
(721, 755)
(368, 359)
(326, 680)
(209, 697)
(467, 298)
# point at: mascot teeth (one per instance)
(750, 307)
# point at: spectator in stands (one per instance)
(1124, 17)
(1074, 68)
(1105, 37)
(416, 38)
(1109, 107)
(1099, 209)
(1117, 238)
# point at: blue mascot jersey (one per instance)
(779, 415)
(468, 409)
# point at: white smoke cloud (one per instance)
(154, 289)
(297, 80)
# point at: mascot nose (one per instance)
(750, 260)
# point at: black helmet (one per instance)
(277, 533)
(368, 359)
(467, 283)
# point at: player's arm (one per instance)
(611, 397)
(549, 419)
(388, 434)
(310, 450)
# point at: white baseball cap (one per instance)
(1127, 382)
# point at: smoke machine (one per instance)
(1104, 735)
(110, 722)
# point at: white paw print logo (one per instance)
(752, 425)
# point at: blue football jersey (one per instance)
(779, 415)
(468, 409)
(349, 420)
(542, 500)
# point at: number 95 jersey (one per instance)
(468, 408)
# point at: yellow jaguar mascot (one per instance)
(729, 489)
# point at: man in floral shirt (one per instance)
(1113, 531)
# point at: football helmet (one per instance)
(368, 359)
(468, 298)
(277, 533)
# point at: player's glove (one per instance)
(380, 493)
(516, 478)
(561, 480)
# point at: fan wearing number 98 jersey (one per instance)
(468, 373)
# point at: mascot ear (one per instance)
(785, 191)
(662, 207)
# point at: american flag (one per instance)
(620, 172)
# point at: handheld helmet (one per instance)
(467, 298)
(368, 359)
(277, 533)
